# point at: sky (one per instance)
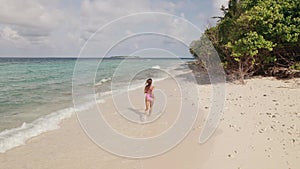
(93, 28)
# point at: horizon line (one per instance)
(92, 57)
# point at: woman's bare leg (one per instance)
(150, 105)
(147, 106)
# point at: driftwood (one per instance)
(284, 73)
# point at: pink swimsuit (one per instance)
(149, 96)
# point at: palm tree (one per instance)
(232, 11)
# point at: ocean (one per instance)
(36, 93)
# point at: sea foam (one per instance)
(14, 137)
(17, 136)
(156, 67)
(103, 81)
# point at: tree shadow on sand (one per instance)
(201, 76)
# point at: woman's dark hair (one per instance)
(148, 84)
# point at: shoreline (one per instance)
(259, 129)
(230, 78)
(18, 136)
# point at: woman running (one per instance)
(149, 97)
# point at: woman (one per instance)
(149, 97)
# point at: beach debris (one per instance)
(232, 126)
(238, 129)
(262, 130)
(272, 127)
(276, 121)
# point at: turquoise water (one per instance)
(33, 88)
(36, 94)
(28, 84)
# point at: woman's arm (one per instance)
(152, 93)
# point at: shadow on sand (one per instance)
(139, 113)
(201, 75)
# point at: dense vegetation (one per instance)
(256, 37)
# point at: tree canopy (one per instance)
(257, 37)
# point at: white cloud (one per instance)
(30, 13)
(138, 29)
(8, 34)
(97, 13)
(30, 23)
(48, 27)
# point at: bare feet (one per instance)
(150, 111)
(146, 112)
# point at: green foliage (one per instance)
(295, 66)
(256, 36)
(201, 48)
(278, 21)
(249, 45)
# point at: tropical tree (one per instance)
(258, 37)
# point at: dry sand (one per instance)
(259, 129)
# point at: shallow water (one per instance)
(36, 94)
(32, 88)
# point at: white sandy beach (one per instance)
(259, 129)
